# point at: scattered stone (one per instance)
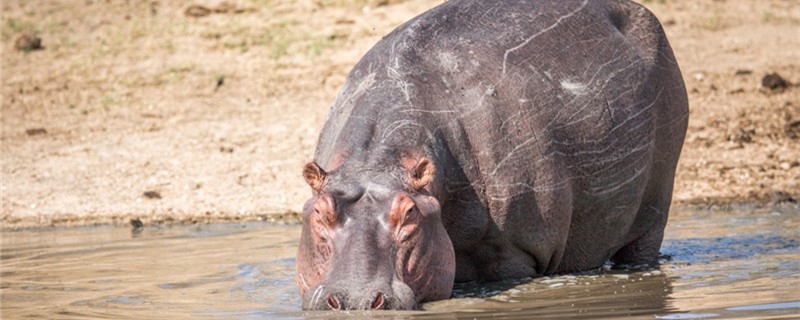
(28, 41)
(774, 81)
(35, 131)
(670, 22)
(743, 72)
(197, 11)
(224, 7)
(136, 223)
(621, 276)
(793, 129)
(779, 197)
(152, 194)
(225, 149)
(380, 3)
(737, 90)
(743, 136)
(227, 7)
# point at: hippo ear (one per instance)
(314, 175)
(422, 174)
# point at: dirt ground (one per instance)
(184, 112)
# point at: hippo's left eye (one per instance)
(403, 213)
(410, 212)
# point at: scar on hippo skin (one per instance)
(314, 175)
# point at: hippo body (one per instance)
(505, 139)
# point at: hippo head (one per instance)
(373, 241)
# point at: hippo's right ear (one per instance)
(314, 175)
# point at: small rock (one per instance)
(35, 131)
(197, 11)
(152, 194)
(737, 90)
(227, 7)
(621, 276)
(225, 149)
(774, 81)
(136, 223)
(743, 72)
(380, 3)
(793, 129)
(699, 76)
(786, 165)
(743, 136)
(154, 8)
(28, 41)
(779, 197)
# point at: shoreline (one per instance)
(32, 223)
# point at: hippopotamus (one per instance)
(492, 140)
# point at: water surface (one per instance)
(716, 265)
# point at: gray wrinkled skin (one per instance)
(555, 127)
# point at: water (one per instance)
(723, 265)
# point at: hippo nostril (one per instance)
(378, 302)
(334, 303)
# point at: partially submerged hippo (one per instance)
(489, 140)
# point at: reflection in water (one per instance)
(722, 265)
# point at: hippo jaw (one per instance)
(379, 250)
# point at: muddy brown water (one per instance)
(743, 264)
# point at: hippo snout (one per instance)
(342, 297)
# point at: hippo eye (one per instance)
(410, 212)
